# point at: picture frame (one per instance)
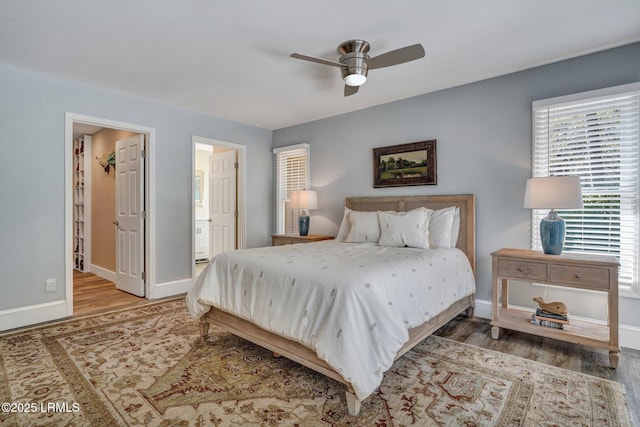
(405, 164)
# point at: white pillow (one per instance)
(441, 227)
(364, 227)
(402, 229)
(455, 230)
(345, 226)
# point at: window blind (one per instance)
(292, 173)
(596, 138)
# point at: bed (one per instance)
(386, 327)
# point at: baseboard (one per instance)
(169, 289)
(55, 310)
(103, 272)
(482, 309)
(629, 335)
(159, 290)
(32, 314)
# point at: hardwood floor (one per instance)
(574, 357)
(92, 294)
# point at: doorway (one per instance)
(218, 199)
(94, 222)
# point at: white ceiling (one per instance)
(231, 58)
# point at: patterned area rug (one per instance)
(147, 366)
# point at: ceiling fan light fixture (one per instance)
(355, 79)
(354, 62)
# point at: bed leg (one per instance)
(353, 404)
(470, 312)
(204, 329)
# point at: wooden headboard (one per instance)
(466, 203)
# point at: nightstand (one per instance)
(290, 239)
(581, 271)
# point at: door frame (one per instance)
(150, 200)
(241, 199)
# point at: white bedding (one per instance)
(351, 303)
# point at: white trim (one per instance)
(631, 87)
(32, 314)
(150, 198)
(241, 221)
(169, 289)
(301, 146)
(629, 335)
(103, 272)
(628, 293)
(482, 309)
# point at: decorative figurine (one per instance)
(555, 307)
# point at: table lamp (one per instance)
(305, 200)
(553, 192)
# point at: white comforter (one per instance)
(351, 303)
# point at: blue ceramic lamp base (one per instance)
(552, 230)
(303, 225)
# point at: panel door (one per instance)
(222, 202)
(130, 215)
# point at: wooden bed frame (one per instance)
(307, 357)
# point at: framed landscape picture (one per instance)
(405, 164)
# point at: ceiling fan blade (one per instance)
(350, 90)
(395, 57)
(318, 60)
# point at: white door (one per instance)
(222, 202)
(130, 215)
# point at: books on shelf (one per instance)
(548, 315)
(548, 323)
(556, 319)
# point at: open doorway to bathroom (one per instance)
(218, 199)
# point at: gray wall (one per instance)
(483, 133)
(32, 117)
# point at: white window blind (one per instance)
(595, 136)
(292, 173)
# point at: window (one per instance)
(594, 135)
(292, 173)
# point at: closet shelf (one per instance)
(82, 202)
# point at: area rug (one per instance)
(147, 366)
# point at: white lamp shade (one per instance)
(553, 192)
(304, 199)
(355, 79)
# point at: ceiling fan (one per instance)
(355, 62)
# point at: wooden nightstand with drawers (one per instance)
(290, 239)
(581, 271)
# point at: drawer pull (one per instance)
(578, 275)
(521, 269)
